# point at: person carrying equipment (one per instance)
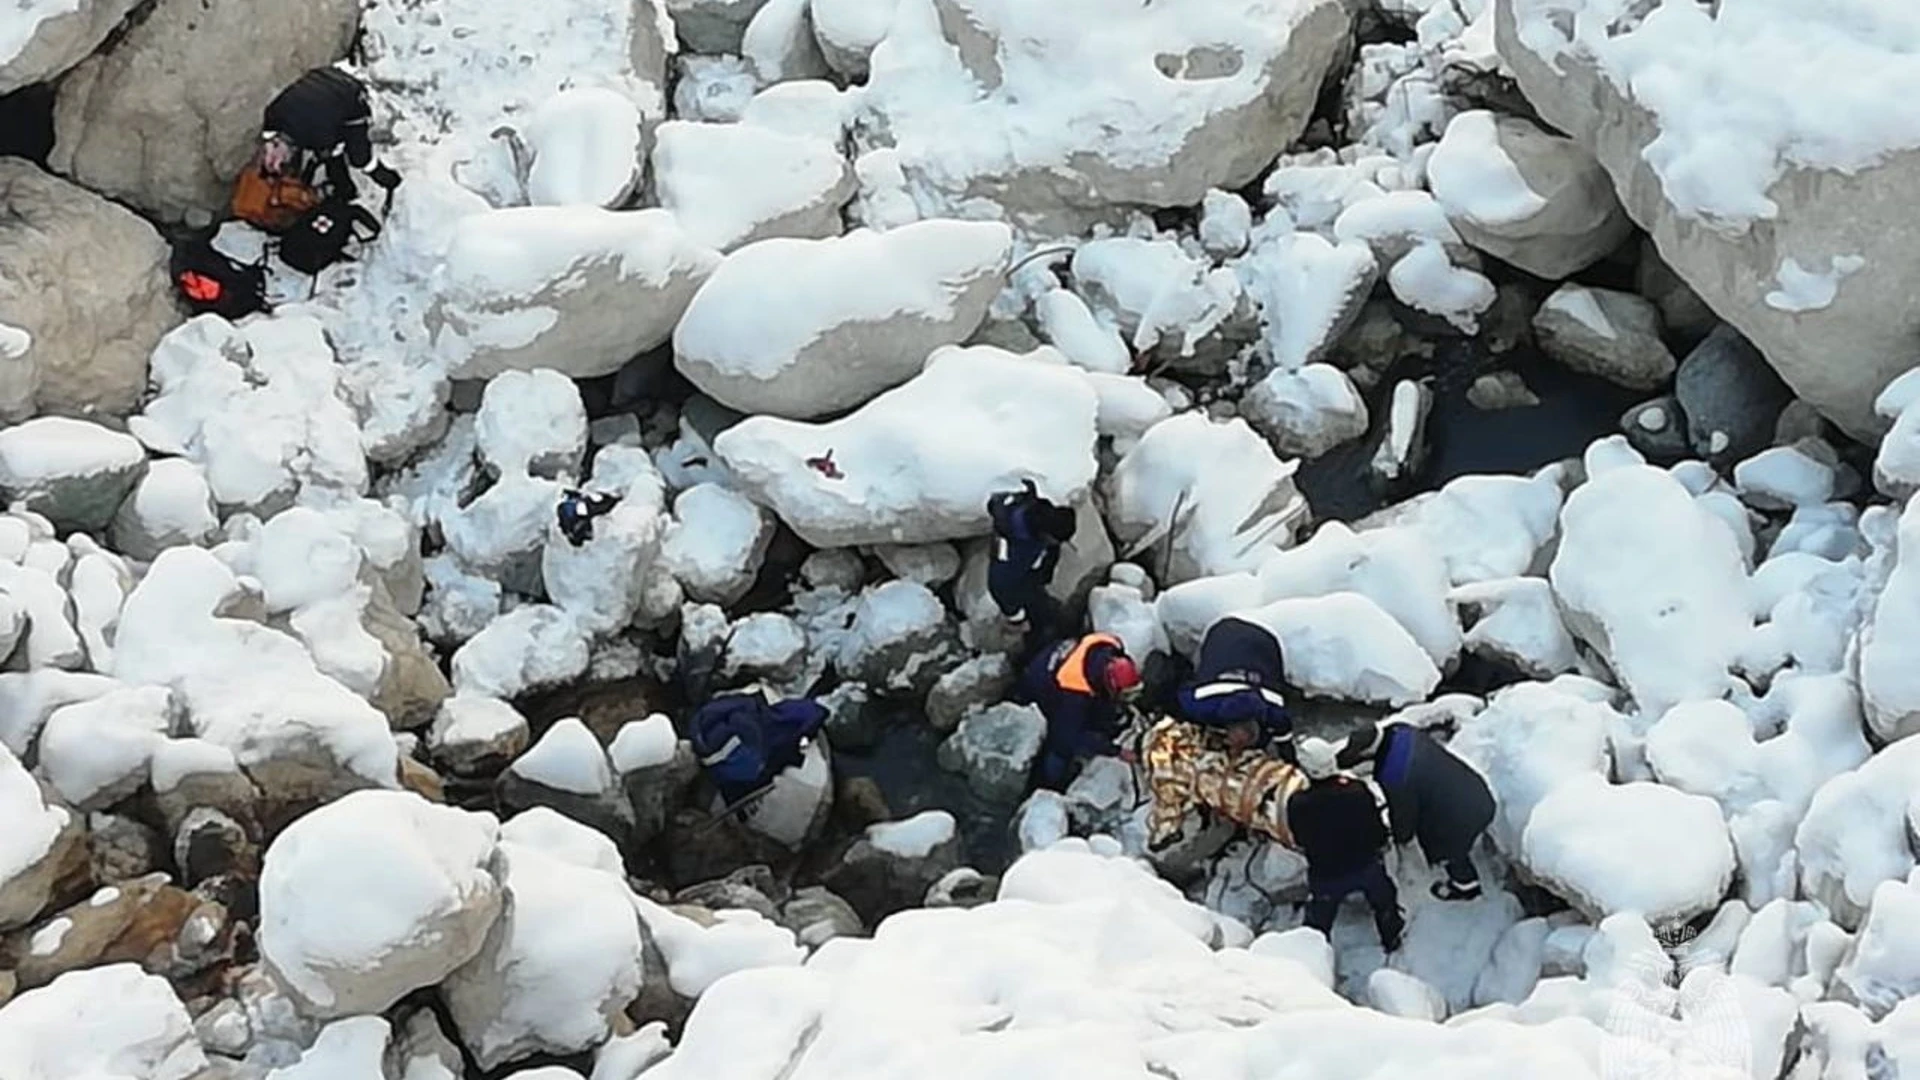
(576, 511)
(744, 739)
(1337, 820)
(1028, 533)
(1233, 692)
(1083, 686)
(325, 115)
(1432, 796)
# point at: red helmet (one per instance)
(1121, 677)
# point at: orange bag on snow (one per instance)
(268, 202)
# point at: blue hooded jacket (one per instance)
(1237, 679)
(744, 740)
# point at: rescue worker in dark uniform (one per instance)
(1432, 796)
(1235, 688)
(1338, 820)
(1028, 534)
(1083, 686)
(744, 739)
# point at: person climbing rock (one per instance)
(1028, 534)
(1338, 822)
(1234, 692)
(576, 511)
(1083, 686)
(744, 739)
(1432, 796)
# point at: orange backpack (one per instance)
(271, 203)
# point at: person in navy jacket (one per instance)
(1432, 796)
(1028, 534)
(744, 739)
(1083, 686)
(1235, 687)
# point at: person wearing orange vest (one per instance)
(1082, 685)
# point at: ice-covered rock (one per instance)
(1771, 211)
(1309, 291)
(557, 967)
(169, 506)
(716, 543)
(730, 185)
(531, 422)
(1524, 196)
(1344, 646)
(1530, 739)
(898, 635)
(575, 288)
(1070, 109)
(44, 851)
(1227, 501)
(1602, 332)
(527, 648)
(1516, 622)
(1654, 582)
(1402, 452)
(105, 1021)
(257, 407)
(416, 876)
(994, 749)
(1730, 396)
(893, 864)
(73, 471)
(1805, 473)
(971, 686)
(83, 292)
(858, 314)
(910, 466)
(1307, 412)
(474, 734)
(602, 584)
(1882, 967)
(1485, 527)
(1586, 841)
(1889, 684)
(584, 147)
(95, 753)
(1161, 298)
(107, 105)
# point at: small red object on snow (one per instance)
(825, 467)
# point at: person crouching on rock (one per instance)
(1234, 694)
(744, 739)
(1083, 686)
(1433, 796)
(1338, 822)
(1028, 533)
(576, 512)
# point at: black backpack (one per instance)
(321, 110)
(320, 238)
(209, 282)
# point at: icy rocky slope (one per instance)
(324, 754)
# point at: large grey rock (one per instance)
(891, 867)
(171, 505)
(1170, 113)
(1559, 218)
(1306, 413)
(712, 26)
(46, 855)
(75, 472)
(86, 281)
(972, 686)
(59, 40)
(859, 314)
(166, 118)
(1609, 334)
(1731, 397)
(1658, 429)
(1836, 356)
(994, 749)
(609, 285)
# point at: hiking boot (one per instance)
(1450, 890)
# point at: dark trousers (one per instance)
(1325, 895)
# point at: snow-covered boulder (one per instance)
(1308, 412)
(1526, 197)
(1763, 184)
(994, 749)
(1073, 107)
(95, 753)
(1889, 683)
(257, 407)
(528, 648)
(557, 967)
(531, 422)
(897, 638)
(1344, 646)
(1613, 335)
(893, 864)
(779, 44)
(915, 465)
(1515, 621)
(105, 1021)
(858, 314)
(569, 772)
(1730, 397)
(1071, 327)
(732, 184)
(1309, 291)
(1485, 527)
(1855, 833)
(1655, 583)
(47, 39)
(351, 1046)
(848, 30)
(716, 543)
(602, 584)
(584, 148)
(1162, 298)
(83, 287)
(51, 639)
(475, 735)
(575, 288)
(107, 107)
(44, 848)
(1587, 842)
(1530, 739)
(417, 879)
(1216, 487)
(170, 505)
(73, 471)
(1882, 967)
